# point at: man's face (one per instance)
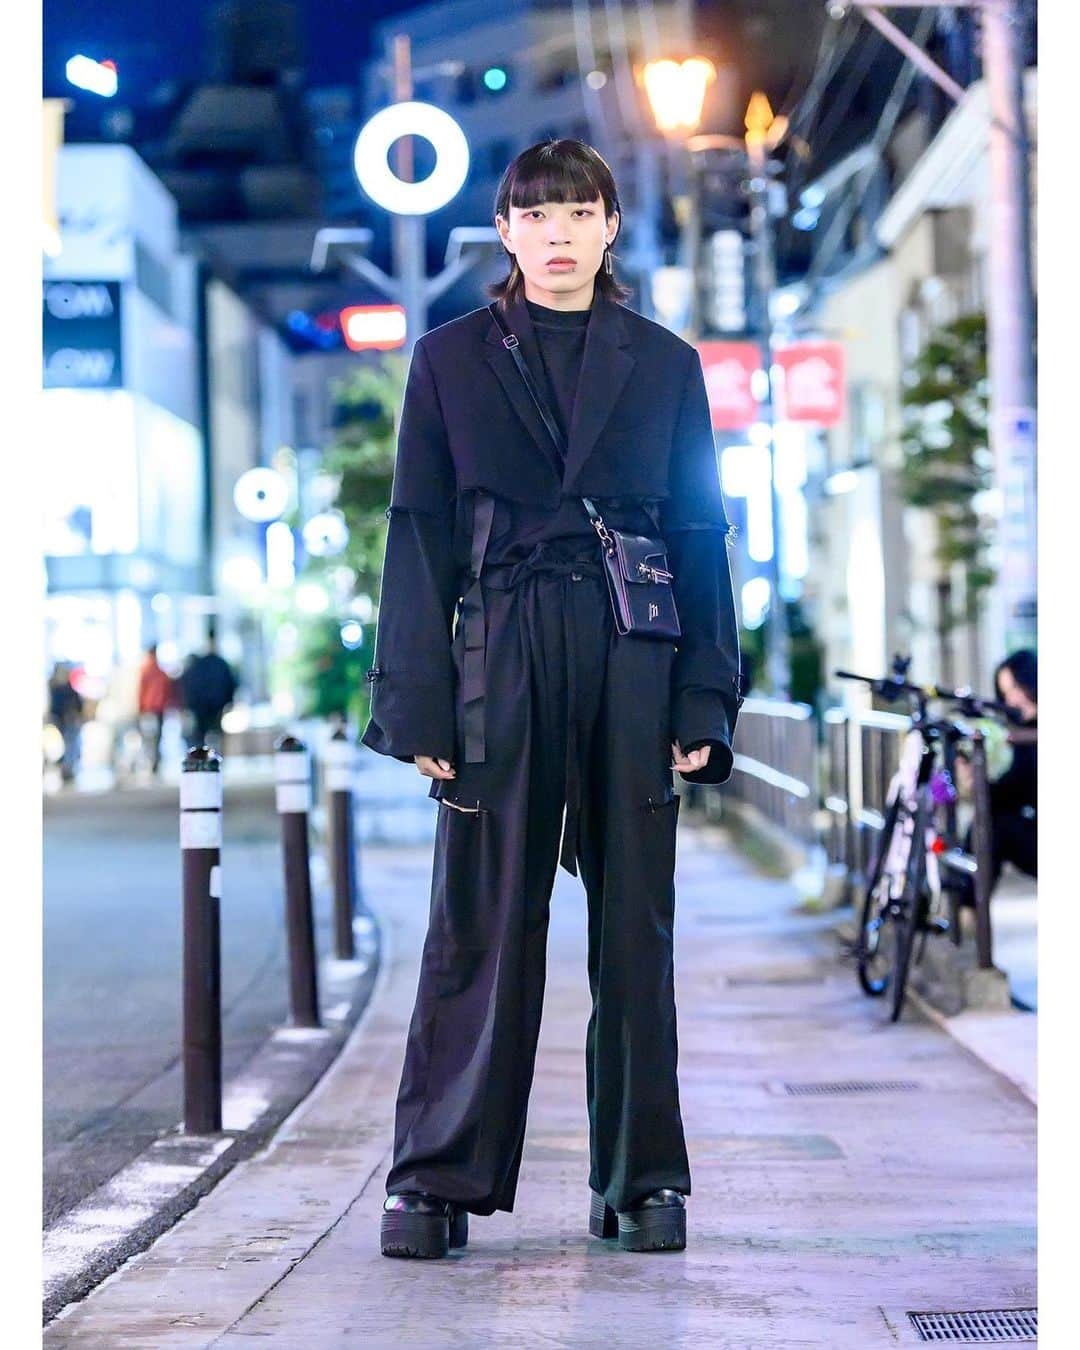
(578, 231)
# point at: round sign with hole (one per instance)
(381, 183)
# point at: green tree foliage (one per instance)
(947, 460)
(361, 458)
(359, 462)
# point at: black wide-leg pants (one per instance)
(571, 710)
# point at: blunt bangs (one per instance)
(561, 177)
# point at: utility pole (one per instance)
(759, 131)
(409, 285)
(1011, 307)
(408, 231)
(1011, 355)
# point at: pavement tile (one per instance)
(814, 1220)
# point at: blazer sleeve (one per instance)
(705, 688)
(412, 679)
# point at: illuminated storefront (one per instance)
(123, 453)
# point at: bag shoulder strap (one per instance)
(511, 343)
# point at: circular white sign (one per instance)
(326, 534)
(261, 494)
(381, 183)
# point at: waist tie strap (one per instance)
(506, 577)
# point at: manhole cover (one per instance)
(844, 1089)
(979, 1327)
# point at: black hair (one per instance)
(1023, 666)
(556, 171)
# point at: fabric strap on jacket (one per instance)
(474, 624)
(513, 346)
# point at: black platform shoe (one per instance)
(417, 1224)
(657, 1222)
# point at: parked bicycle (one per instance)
(912, 890)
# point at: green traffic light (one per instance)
(495, 78)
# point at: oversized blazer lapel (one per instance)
(606, 364)
(501, 361)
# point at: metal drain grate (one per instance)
(984, 1325)
(842, 1089)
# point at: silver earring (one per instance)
(607, 259)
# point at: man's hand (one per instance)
(689, 761)
(434, 768)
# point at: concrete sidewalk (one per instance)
(818, 1218)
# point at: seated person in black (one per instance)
(1013, 832)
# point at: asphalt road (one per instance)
(112, 992)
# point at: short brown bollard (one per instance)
(340, 764)
(293, 791)
(200, 848)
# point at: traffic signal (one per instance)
(495, 79)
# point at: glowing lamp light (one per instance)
(241, 573)
(676, 90)
(495, 79)
(280, 555)
(311, 598)
(379, 327)
(261, 494)
(96, 77)
(352, 635)
(755, 602)
(381, 183)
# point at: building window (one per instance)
(493, 158)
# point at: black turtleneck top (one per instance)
(560, 335)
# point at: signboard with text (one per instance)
(81, 335)
(812, 389)
(728, 368)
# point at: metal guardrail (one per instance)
(776, 765)
(833, 792)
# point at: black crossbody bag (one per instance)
(635, 565)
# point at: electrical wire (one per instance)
(860, 68)
(629, 106)
(837, 227)
(586, 60)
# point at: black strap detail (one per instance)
(512, 345)
(474, 623)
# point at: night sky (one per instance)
(154, 42)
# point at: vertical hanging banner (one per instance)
(729, 368)
(813, 385)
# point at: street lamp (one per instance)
(676, 93)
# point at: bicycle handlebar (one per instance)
(891, 688)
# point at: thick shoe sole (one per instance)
(653, 1230)
(425, 1236)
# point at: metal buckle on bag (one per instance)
(605, 535)
(654, 573)
(510, 341)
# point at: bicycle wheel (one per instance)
(875, 950)
(914, 904)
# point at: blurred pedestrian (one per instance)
(118, 710)
(66, 714)
(1013, 794)
(156, 697)
(208, 687)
